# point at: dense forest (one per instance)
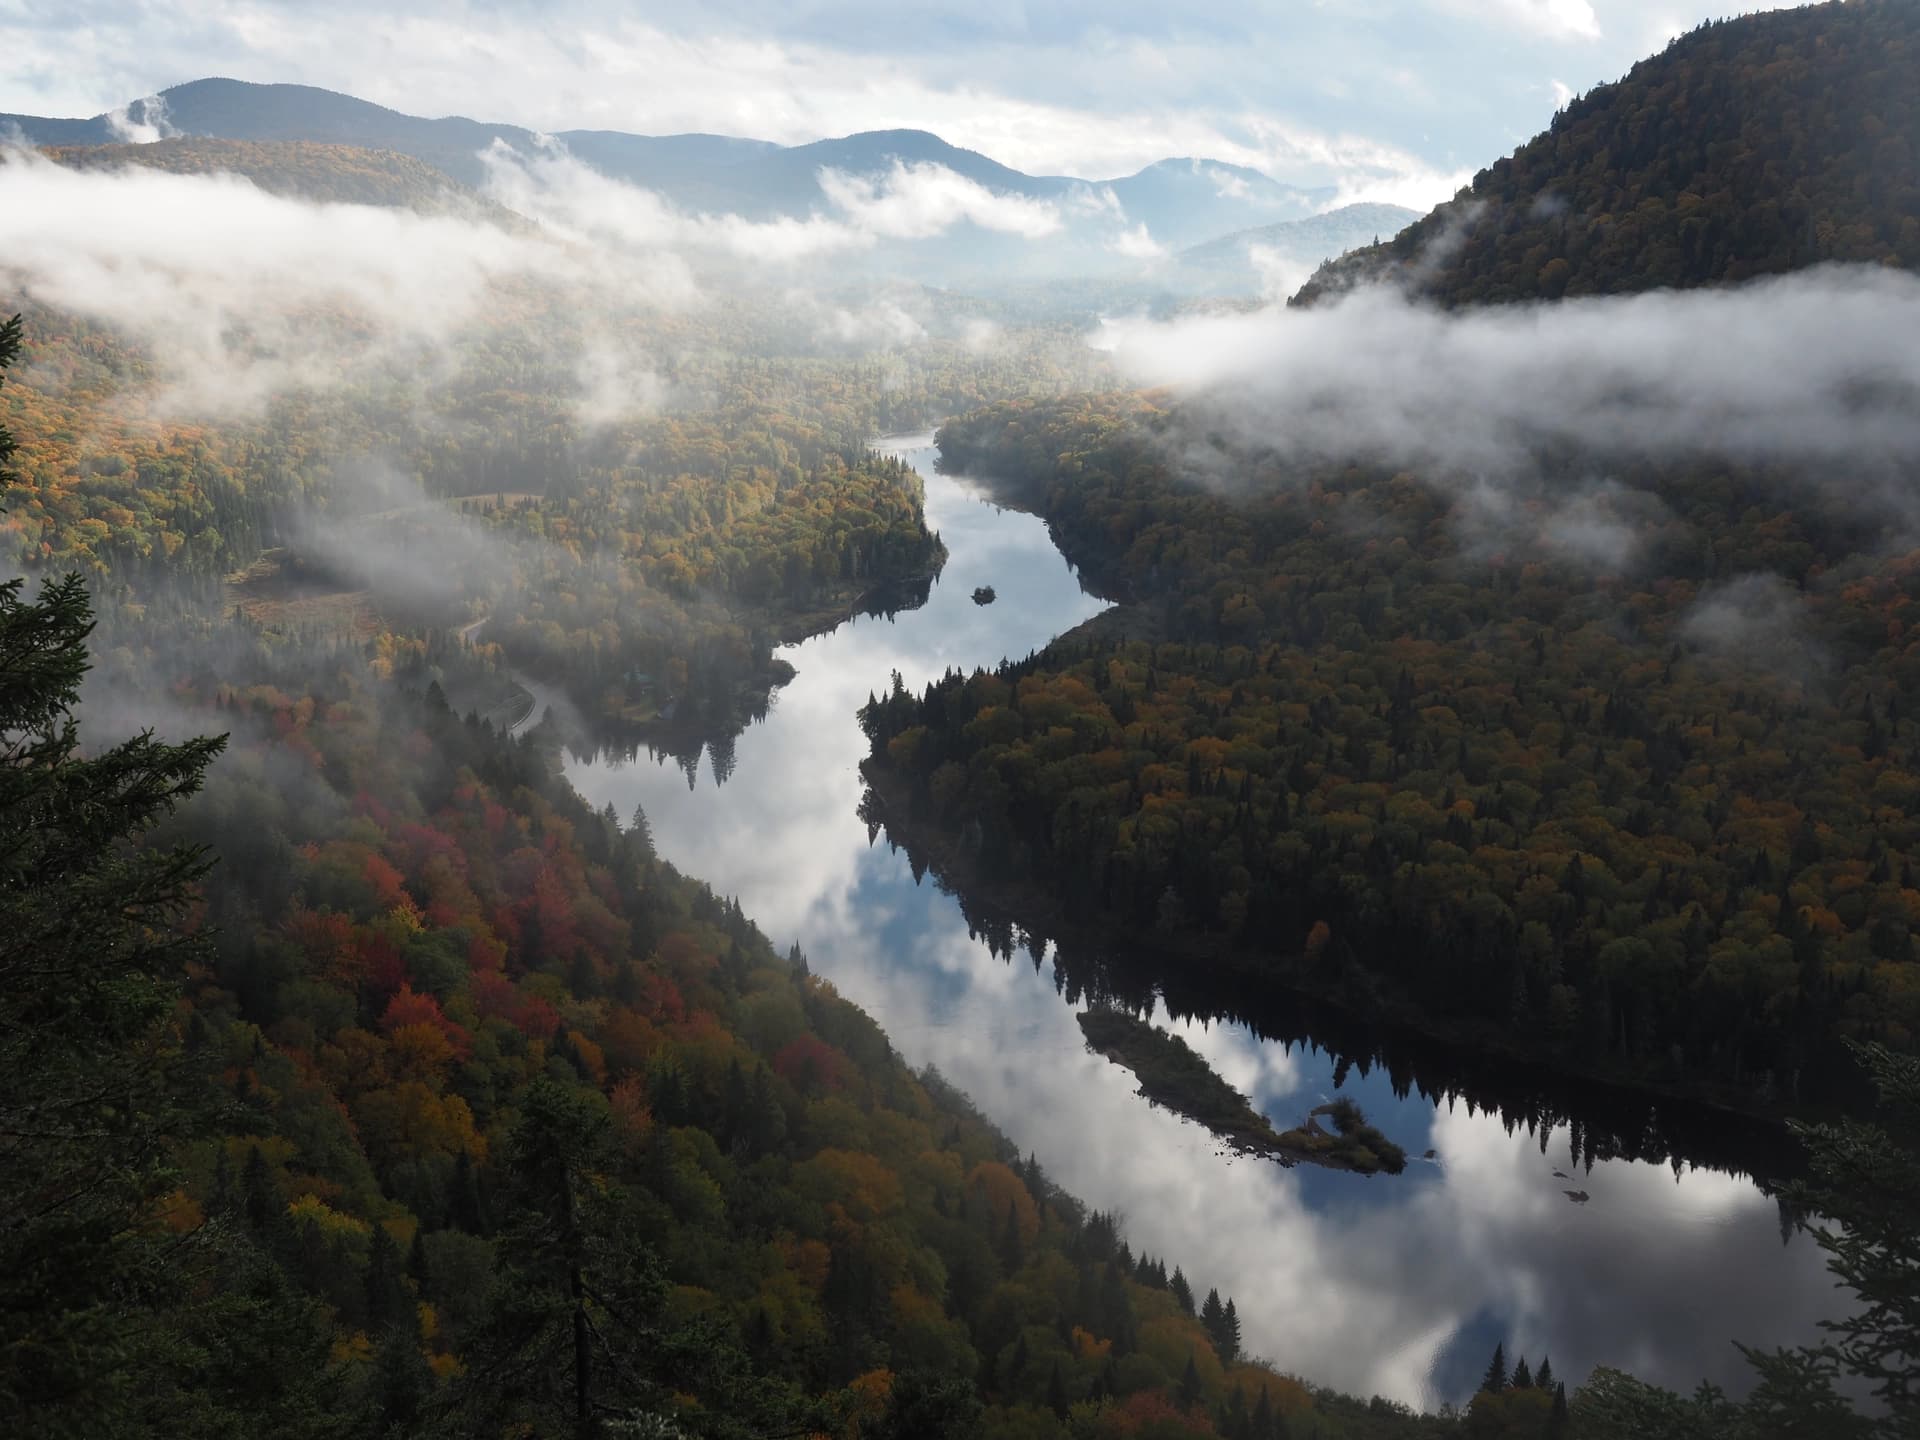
(358, 1079)
(334, 174)
(450, 1108)
(1610, 772)
(1748, 147)
(484, 1120)
(646, 561)
(438, 1104)
(1333, 755)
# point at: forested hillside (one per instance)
(486, 1121)
(1602, 757)
(337, 174)
(445, 1107)
(645, 561)
(1181, 200)
(359, 1079)
(1748, 147)
(1580, 814)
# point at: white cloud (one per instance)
(616, 380)
(1813, 367)
(1091, 89)
(242, 295)
(1226, 184)
(1553, 19)
(917, 201)
(140, 122)
(582, 204)
(236, 288)
(1137, 244)
(1362, 170)
(908, 202)
(1280, 274)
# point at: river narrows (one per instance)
(1393, 1285)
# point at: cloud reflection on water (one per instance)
(1395, 1285)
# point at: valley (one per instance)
(1010, 725)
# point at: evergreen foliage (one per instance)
(1495, 1380)
(1748, 147)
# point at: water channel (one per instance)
(1395, 1285)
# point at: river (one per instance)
(1399, 1286)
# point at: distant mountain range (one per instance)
(1252, 255)
(1181, 201)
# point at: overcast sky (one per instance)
(1411, 95)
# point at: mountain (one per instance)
(239, 110)
(1748, 147)
(1180, 201)
(1230, 259)
(785, 181)
(1188, 200)
(344, 174)
(663, 162)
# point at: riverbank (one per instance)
(670, 726)
(1205, 977)
(1395, 1260)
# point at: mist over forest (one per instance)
(1382, 652)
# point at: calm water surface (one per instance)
(1393, 1285)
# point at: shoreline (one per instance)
(1357, 996)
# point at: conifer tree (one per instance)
(387, 1301)
(1495, 1380)
(1235, 1424)
(417, 1268)
(1213, 1319)
(1011, 1250)
(466, 1208)
(94, 1089)
(1865, 1179)
(1017, 1363)
(261, 1198)
(1522, 1375)
(1182, 1291)
(1263, 1426)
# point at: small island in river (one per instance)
(1171, 1074)
(984, 595)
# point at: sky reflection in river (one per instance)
(1396, 1285)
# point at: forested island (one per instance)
(1171, 1074)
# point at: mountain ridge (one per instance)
(1745, 148)
(1182, 200)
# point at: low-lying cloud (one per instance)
(1758, 623)
(141, 122)
(1137, 244)
(245, 295)
(916, 202)
(906, 202)
(242, 295)
(1816, 368)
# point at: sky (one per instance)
(1398, 99)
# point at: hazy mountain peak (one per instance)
(1104, 224)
